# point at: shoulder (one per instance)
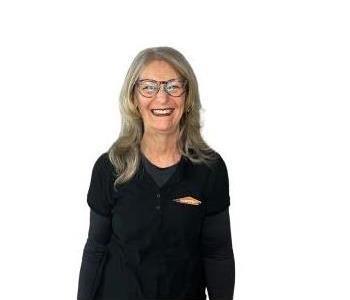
(220, 165)
(218, 169)
(102, 160)
(103, 164)
(99, 196)
(217, 186)
(209, 169)
(216, 165)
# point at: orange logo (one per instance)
(188, 200)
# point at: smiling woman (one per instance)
(159, 197)
(153, 104)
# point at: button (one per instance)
(158, 195)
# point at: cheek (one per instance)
(180, 112)
(143, 105)
(181, 108)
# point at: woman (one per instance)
(159, 197)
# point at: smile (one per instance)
(162, 112)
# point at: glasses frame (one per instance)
(159, 83)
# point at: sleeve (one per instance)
(217, 256)
(98, 195)
(94, 256)
(219, 197)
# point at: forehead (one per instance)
(158, 70)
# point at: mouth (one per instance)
(162, 112)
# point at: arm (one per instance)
(217, 256)
(96, 250)
(94, 255)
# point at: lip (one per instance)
(165, 108)
(162, 115)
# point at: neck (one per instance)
(161, 149)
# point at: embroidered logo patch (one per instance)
(188, 200)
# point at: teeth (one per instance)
(162, 111)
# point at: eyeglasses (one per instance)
(173, 87)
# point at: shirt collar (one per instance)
(179, 175)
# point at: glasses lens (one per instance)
(147, 88)
(175, 87)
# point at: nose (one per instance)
(162, 95)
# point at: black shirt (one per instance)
(159, 174)
(191, 251)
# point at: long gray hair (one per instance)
(125, 153)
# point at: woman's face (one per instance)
(155, 123)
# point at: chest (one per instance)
(143, 212)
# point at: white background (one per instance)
(274, 85)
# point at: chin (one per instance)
(165, 128)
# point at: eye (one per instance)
(172, 86)
(148, 87)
